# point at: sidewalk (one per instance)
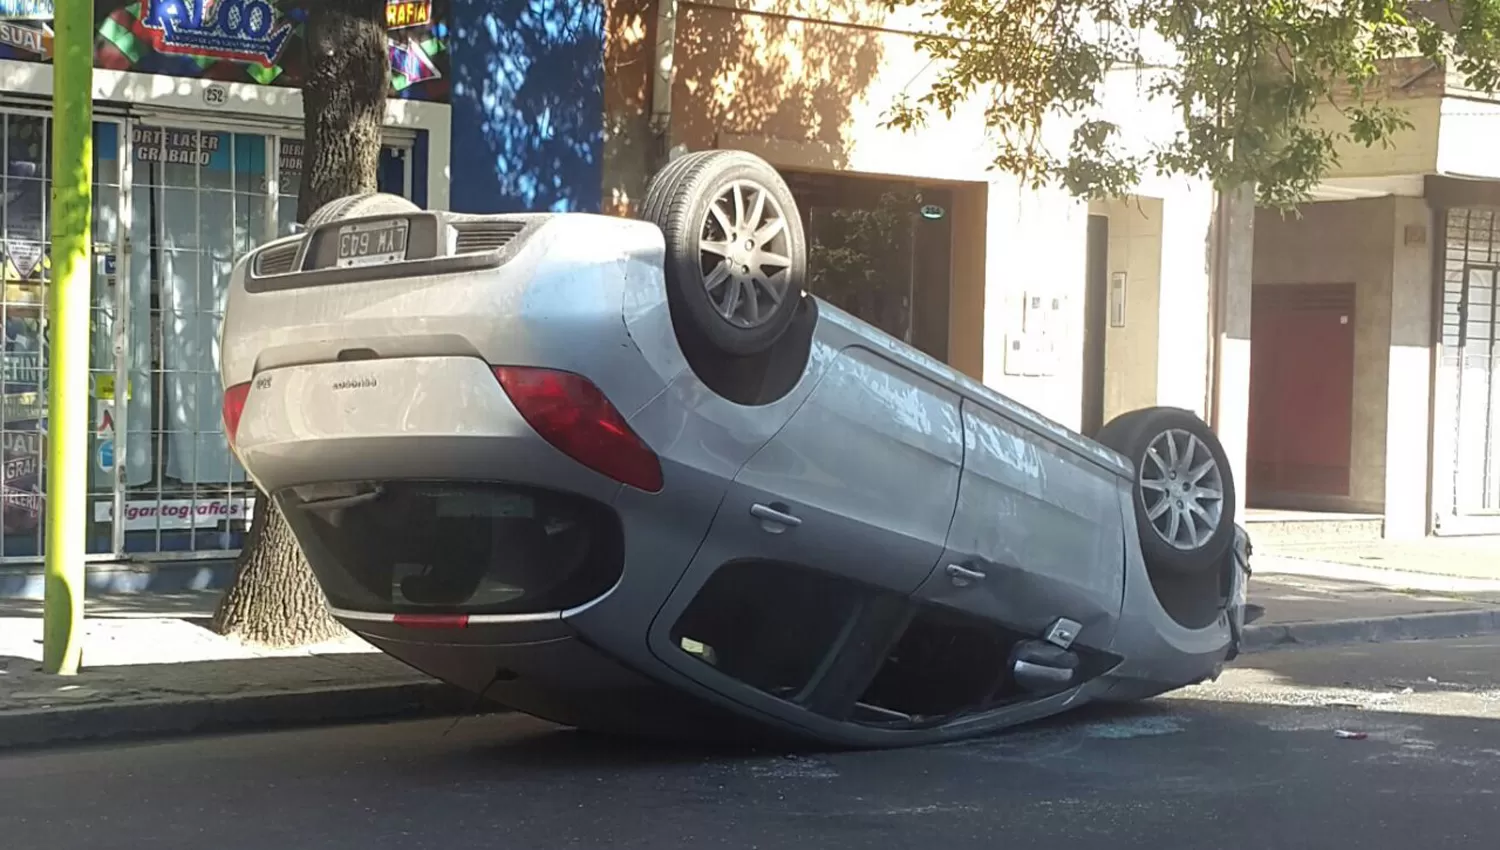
(1297, 599)
(1454, 557)
(151, 667)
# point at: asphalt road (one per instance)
(1252, 761)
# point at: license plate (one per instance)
(371, 243)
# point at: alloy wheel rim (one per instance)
(1182, 489)
(745, 253)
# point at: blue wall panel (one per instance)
(528, 105)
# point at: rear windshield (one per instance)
(450, 547)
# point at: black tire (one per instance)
(1191, 551)
(356, 206)
(731, 287)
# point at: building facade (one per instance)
(1376, 384)
(1079, 310)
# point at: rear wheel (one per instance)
(1183, 493)
(736, 253)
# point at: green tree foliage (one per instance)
(1245, 77)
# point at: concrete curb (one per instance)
(258, 711)
(1441, 625)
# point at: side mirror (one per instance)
(296, 228)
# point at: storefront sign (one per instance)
(154, 144)
(24, 226)
(22, 508)
(177, 514)
(23, 456)
(35, 39)
(290, 162)
(400, 14)
(26, 10)
(21, 480)
(25, 255)
(241, 30)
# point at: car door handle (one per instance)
(962, 575)
(774, 515)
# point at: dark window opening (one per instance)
(949, 664)
(772, 626)
(945, 664)
(454, 547)
(881, 250)
(856, 653)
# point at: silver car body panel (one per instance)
(896, 465)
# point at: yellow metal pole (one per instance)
(68, 318)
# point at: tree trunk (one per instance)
(275, 600)
(343, 100)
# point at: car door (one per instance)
(846, 509)
(1037, 533)
(860, 482)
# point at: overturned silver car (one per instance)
(627, 476)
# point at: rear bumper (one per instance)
(403, 418)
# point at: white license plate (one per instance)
(371, 243)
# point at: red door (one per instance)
(1301, 390)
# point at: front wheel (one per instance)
(1183, 493)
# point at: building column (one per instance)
(1182, 337)
(1409, 379)
(1229, 396)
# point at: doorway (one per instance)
(1466, 468)
(1301, 394)
(882, 251)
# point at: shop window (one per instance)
(25, 229)
(200, 199)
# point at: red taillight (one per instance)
(234, 407)
(431, 621)
(569, 412)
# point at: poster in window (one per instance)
(23, 266)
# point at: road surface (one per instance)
(1252, 761)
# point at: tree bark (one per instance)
(343, 100)
(275, 601)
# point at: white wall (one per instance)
(1160, 237)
